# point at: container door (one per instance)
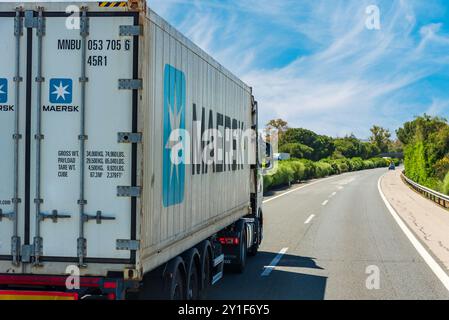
(12, 134)
(84, 94)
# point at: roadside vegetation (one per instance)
(318, 156)
(426, 151)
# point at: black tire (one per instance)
(205, 267)
(178, 290)
(165, 283)
(240, 265)
(193, 288)
(175, 284)
(255, 248)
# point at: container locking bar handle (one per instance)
(15, 240)
(82, 242)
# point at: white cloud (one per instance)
(347, 82)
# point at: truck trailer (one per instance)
(131, 164)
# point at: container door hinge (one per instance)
(15, 247)
(130, 245)
(18, 25)
(133, 192)
(130, 84)
(129, 137)
(129, 31)
(33, 22)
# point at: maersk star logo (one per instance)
(173, 141)
(174, 168)
(3, 90)
(61, 91)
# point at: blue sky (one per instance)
(316, 65)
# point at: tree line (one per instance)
(318, 156)
(426, 151)
(305, 144)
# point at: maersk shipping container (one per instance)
(88, 101)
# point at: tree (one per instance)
(322, 146)
(297, 150)
(348, 147)
(397, 146)
(380, 137)
(369, 150)
(426, 150)
(278, 124)
(421, 125)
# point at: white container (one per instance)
(172, 208)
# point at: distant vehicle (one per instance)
(392, 166)
(282, 156)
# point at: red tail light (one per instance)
(229, 241)
(110, 285)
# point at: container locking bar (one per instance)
(38, 23)
(98, 217)
(15, 239)
(82, 202)
(54, 216)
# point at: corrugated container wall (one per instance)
(212, 200)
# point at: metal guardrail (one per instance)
(439, 198)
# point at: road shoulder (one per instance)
(428, 221)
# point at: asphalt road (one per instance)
(336, 235)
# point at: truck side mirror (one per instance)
(268, 156)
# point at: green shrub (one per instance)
(283, 176)
(357, 164)
(297, 150)
(267, 182)
(445, 186)
(323, 169)
(297, 170)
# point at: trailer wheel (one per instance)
(178, 289)
(207, 274)
(240, 265)
(175, 280)
(255, 248)
(206, 270)
(191, 259)
(193, 289)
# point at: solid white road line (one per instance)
(302, 187)
(325, 202)
(274, 263)
(310, 219)
(436, 268)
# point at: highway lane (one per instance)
(327, 240)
